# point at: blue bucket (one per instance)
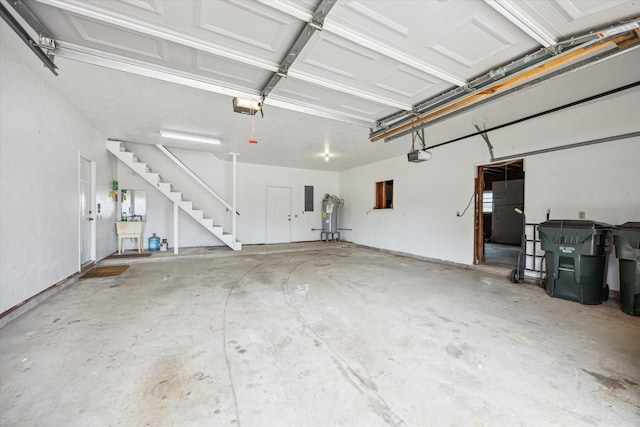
(154, 243)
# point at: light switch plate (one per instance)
(581, 215)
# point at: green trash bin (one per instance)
(627, 240)
(576, 259)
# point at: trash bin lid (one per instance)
(631, 226)
(574, 223)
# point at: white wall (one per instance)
(603, 180)
(426, 197)
(160, 209)
(41, 139)
(253, 181)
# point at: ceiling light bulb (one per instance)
(188, 137)
(326, 157)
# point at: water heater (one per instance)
(330, 213)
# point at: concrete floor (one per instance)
(327, 334)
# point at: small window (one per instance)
(487, 202)
(308, 198)
(384, 195)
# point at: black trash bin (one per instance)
(576, 259)
(627, 240)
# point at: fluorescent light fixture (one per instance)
(188, 137)
(246, 106)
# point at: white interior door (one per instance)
(278, 215)
(86, 214)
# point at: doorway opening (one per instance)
(498, 225)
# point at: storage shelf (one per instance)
(533, 254)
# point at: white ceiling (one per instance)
(133, 67)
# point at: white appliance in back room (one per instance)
(506, 223)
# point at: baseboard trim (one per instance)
(26, 305)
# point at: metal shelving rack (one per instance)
(534, 255)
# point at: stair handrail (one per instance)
(194, 176)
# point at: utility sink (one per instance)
(130, 227)
(129, 230)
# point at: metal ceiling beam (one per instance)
(26, 38)
(363, 40)
(315, 24)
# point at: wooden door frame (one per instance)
(478, 223)
(478, 230)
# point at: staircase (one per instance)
(153, 178)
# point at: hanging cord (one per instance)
(468, 204)
(251, 114)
